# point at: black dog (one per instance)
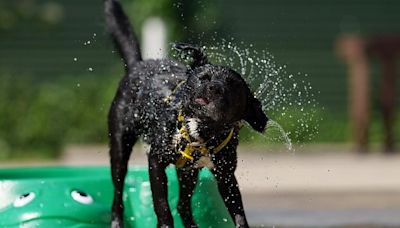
(190, 117)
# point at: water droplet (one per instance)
(285, 135)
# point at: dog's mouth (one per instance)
(202, 101)
(209, 109)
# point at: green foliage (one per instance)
(41, 118)
(45, 13)
(183, 18)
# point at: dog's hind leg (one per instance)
(120, 152)
(187, 183)
(122, 139)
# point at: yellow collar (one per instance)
(193, 146)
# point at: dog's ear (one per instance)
(196, 53)
(255, 115)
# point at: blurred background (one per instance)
(58, 75)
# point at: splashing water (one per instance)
(288, 98)
(285, 136)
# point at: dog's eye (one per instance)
(81, 197)
(205, 77)
(24, 199)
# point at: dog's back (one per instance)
(148, 84)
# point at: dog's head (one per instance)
(219, 95)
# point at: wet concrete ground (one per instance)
(345, 209)
(307, 188)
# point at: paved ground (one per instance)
(306, 188)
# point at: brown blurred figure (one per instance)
(386, 48)
(356, 51)
(352, 49)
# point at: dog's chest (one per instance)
(192, 149)
(193, 128)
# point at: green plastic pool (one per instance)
(81, 197)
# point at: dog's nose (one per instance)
(214, 88)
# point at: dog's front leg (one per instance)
(229, 190)
(159, 189)
(187, 183)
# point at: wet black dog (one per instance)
(190, 117)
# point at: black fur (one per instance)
(213, 99)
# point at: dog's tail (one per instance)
(122, 33)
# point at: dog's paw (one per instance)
(116, 223)
(166, 226)
(241, 222)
